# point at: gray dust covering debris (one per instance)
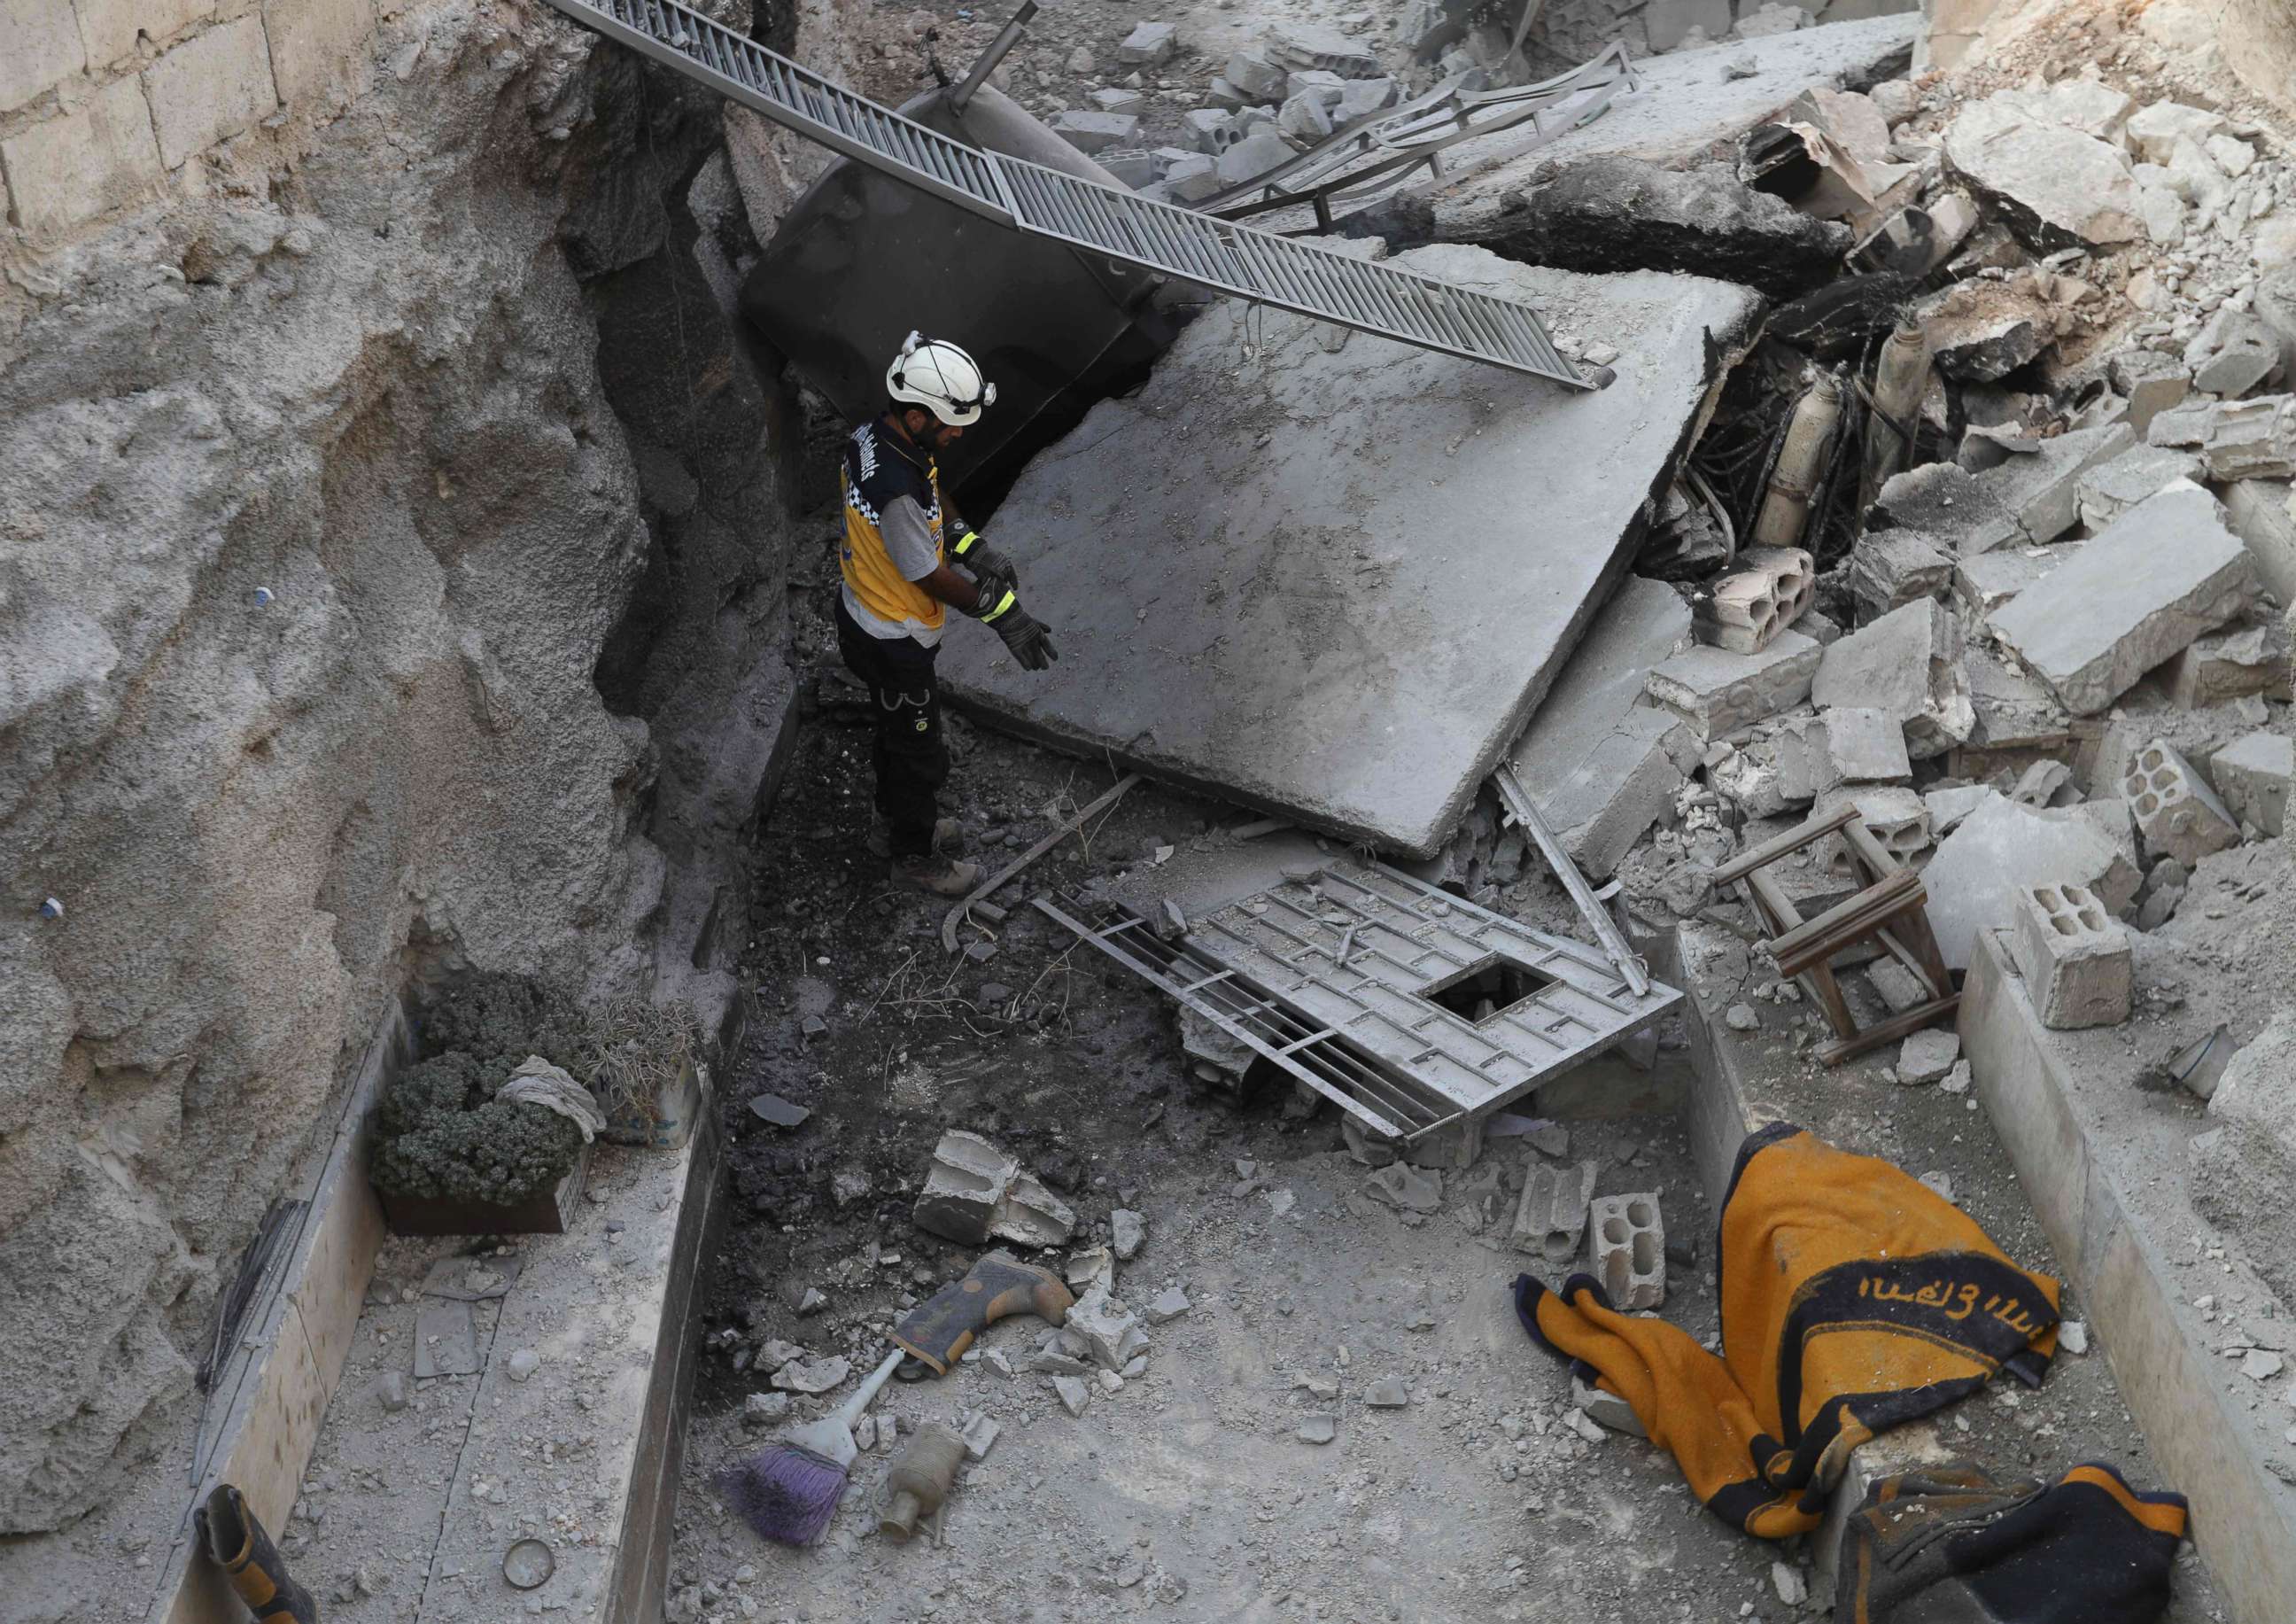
(418, 655)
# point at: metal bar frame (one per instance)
(1306, 278)
(1286, 1054)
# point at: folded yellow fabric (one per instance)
(1853, 1298)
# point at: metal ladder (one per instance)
(1305, 278)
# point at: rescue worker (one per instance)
(899, 587)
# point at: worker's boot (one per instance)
(942, 876)
(949, 836)
(229, 1532)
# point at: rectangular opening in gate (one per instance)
(1487, 989)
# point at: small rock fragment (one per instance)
(980, 1436)
(1792, 1588)
(523, 1363)
(1928, 1055)
(1387, 1393)
(813, 1375)
(763, 1409)
(1405, 1188)
(781, 1112)
(2072, 1336)
(1318, 1429)
(1166, 1306)
(1075, 1396)
(1130, 1232)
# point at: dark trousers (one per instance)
(909, 753)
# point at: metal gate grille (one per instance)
(1304, 277)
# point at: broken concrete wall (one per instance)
(1334, 575)
(319, 526)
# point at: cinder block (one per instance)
(110, 27)
(318, 46)
(2223, 666)
(1192, 178)
(2252, 775)
(1094, 132)
(210, 88)
(1149, 44)
(968, 1178)
(1716, 691)
(1765, 592)
(39, 45)
(2074, 956)
(1130, 165)
(1210, 128)
(1551, 1214)
(2179, 815)
(92, 159)
(1897, 818)
(1255, 76)
(1626, 1248)
(1259, 151)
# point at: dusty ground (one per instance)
(1189, 1490)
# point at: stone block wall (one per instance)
(103, 102)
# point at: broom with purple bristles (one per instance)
(789, 1491)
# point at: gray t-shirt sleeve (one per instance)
(908, 538)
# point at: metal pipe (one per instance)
(1006, 38)
(1901, 375)
(1801, 460)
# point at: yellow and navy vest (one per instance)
(875, 470)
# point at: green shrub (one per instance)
(500, 1019)
(442, 1132)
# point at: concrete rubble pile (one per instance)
(2103, 289)
(1240, 111)
(2050, 663)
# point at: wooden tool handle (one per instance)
(940, 1329)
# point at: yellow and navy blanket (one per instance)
(1950, 1542)
(1854, 1298)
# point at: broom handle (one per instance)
(860, 1400)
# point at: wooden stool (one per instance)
(1889, 911)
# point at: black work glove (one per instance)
(996, 573)
(1028, 639)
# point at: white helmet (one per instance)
(941, 378)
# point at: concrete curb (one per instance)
(297, 1351)
(2082, 1183)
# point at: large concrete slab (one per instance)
(1598, 761)
(1333, 577)
(1684, 104)
(2161, 574)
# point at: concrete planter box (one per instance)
(546, 1212)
